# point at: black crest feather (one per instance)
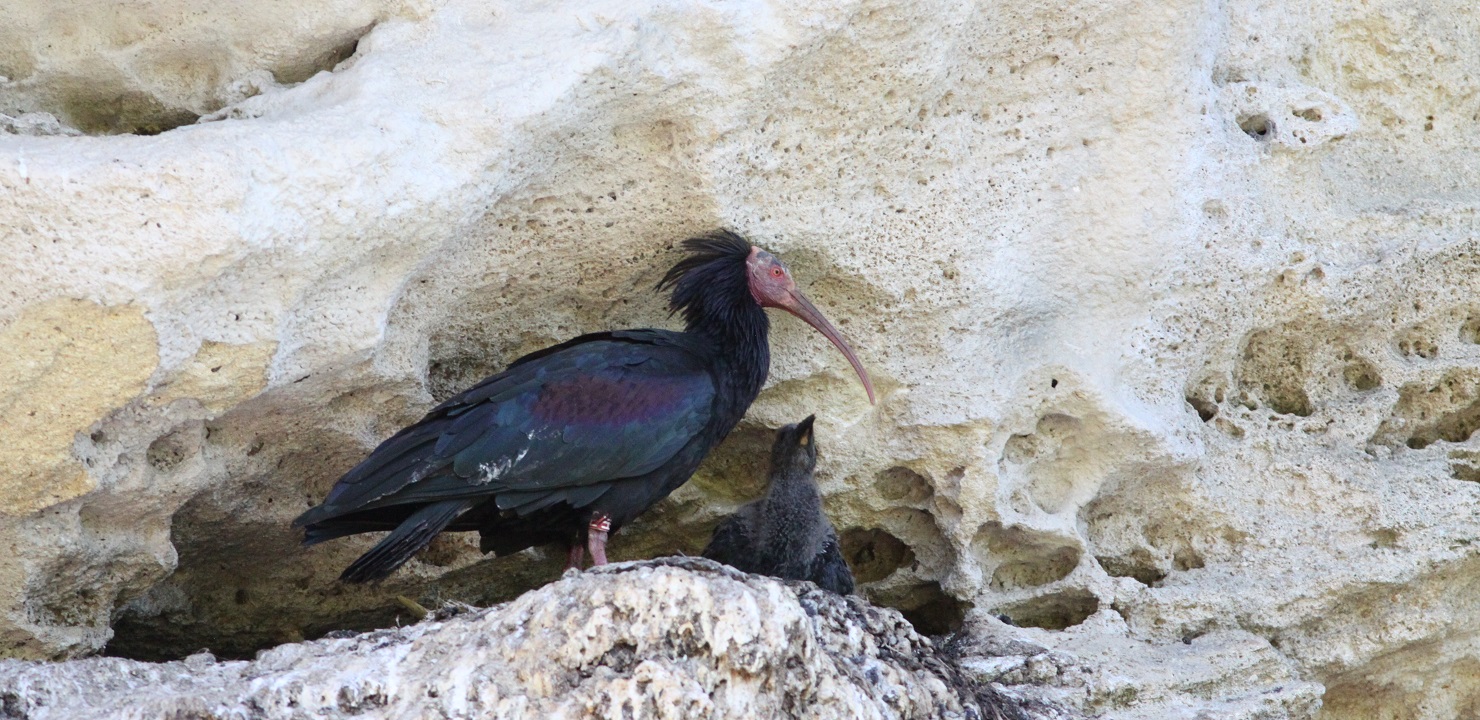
(716, 261)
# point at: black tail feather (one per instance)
(375, 520)
(830, 571)
(403, 542)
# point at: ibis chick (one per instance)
(785, 534)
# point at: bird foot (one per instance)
(577, 557)
(596, 535)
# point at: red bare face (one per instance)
(770, 281)
(771, 286)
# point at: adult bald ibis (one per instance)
(785, 534)
(570, 443)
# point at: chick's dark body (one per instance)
(786, 534)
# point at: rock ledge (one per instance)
(669, 638)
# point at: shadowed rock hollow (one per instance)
(1172, 307)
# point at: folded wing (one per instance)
(557, 425)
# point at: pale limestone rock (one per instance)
(645, 640)
(34, 123)
(1102, 668)
(1134, 356)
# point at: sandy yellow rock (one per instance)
(222, 374)
(67, 363)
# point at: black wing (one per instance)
(560, 422)
(731, 544)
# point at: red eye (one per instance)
(776, 272)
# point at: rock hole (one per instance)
(1021, 448)
(1466, 471)
(873, 554)
(900, 484)
(1455, 427)
(101, 111)
(1312, 114)
(1032, 571)
(1187, 559)
(1140, 566)
(1294, 404)
(1054, 611)
(1384, 538)
(166, 452)
(1470, 331)
(1361, 375)
(1229, 428)
(1259, 127)
(1205, 410)
(1274, 367)
(927, 607)
(1025, 557)
(356, 700)
(123, 113)
(1412, 344)
(325, 61)
(13, 706)
(1447, 410)
(620, 658)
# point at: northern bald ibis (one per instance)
(570, 443)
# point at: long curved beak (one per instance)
(797, 304)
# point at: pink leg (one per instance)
(577, 556)
(596, 534)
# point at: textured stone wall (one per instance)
(1172, 307)
(645, 641)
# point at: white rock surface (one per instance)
(628, 642)
(1172, 306)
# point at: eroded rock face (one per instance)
(1172, 309)
(150, 66)
(648, 640)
